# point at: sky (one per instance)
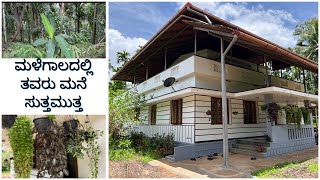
(133, 23)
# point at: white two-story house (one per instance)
(187, 53)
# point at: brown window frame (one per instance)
(176, 112)
(215, 110)
(249, 107)
(153, 114)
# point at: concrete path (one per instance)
(241, 166)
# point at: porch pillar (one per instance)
(224, 99)
(268, 98)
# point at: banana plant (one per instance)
(53, 41)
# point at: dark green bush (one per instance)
(161, 144)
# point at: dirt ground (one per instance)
(240, 165)
(137, 169)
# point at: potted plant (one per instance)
(272, 111)
(93, 150)
(71, 125)
(51, 154)
(21, 142)
(293, 114)
(43, 124)
(8, 120)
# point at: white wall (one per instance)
(204, 131)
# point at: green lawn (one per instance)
(308, 169)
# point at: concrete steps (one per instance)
(250, 147)
(247, 152)
(170, 158)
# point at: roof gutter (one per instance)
(200, 14)
(311, 65)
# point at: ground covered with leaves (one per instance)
(305, 169)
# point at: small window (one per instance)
(216, 111)
(249, 112)
(153, 114)
(176, 112)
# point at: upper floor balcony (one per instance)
(197, 72)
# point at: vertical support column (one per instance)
(304, 81)
(195, 42)
(147, 70)
(268, 98)
(165, 58)
(224, 108)
(266, 66)
(134, 77)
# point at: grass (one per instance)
(281, 170)
(131, 154)
(313, 167)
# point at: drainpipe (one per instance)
(224, 100)
(200, 14)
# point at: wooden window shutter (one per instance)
(179, 113)
(216, 111)
(153, 115)
(173, 112)
(176, 111)
(249, 112)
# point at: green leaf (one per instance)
(50, 48)
(64, 46)
(40, 42)
(47, 25)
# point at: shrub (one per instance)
(162, 145)
(20, 136)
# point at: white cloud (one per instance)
(267, 23)
(117, 42)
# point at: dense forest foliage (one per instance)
(53, 30)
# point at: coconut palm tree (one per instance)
(122, 57)
(308, 39)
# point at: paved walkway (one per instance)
(240, 165)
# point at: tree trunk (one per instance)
(4, 23)
(78, 19)
(61, 16)
(19, 18)
(94, 24)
